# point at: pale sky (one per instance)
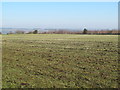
(73, 15)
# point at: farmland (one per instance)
(59, 61)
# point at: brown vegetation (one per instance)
(103, 32)
(62, 31)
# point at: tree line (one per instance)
(85, 31)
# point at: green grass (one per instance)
(60, 61)
(0, 61)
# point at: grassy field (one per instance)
(59, 61)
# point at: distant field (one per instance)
(60, 61)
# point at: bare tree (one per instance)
(19, 32)
(30, 32)
(35, 31)
(85, 31)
